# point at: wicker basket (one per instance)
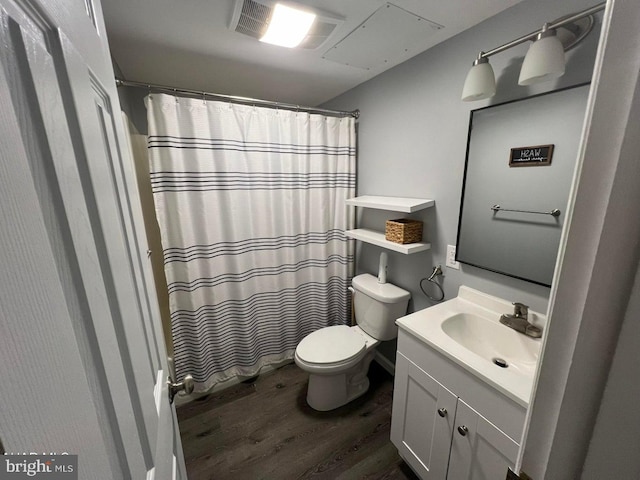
(403, 231)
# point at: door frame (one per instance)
(597, 261)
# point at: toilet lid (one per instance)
(330, 345)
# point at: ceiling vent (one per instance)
(251, 17)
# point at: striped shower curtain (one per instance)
(251, 207)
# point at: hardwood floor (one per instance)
(266, 430)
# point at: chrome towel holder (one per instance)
(554, 213)
(436, 272)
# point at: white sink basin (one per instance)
(467, 330)
(493, 341)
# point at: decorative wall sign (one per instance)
(531, 156)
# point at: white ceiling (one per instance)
(188, 44)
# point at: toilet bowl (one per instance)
(337, 358)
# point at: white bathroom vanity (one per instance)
(462, 387)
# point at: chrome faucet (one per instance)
(519, 321)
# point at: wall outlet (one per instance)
(451, 257)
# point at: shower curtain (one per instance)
(251, 207)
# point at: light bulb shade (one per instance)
(544, 61)
(480, 83)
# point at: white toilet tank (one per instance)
(378, 305)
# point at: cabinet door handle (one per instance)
(463, 430)
(442, 412)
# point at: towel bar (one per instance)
(554, 213)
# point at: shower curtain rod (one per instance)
(242, 100)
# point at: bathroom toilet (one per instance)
(338, 357)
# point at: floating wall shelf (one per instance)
(377, 238)
(395, 204)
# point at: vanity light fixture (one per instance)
(480, 82)
(544, 60)
(288, 26)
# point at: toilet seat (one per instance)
(331, 346)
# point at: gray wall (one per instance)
(132, 104)
(613, 452)
(412, 136)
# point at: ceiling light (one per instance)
(288, 26)
(544, 60)
(480, 82)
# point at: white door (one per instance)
(422, 419)
(83, 367)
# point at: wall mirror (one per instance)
(521, 157)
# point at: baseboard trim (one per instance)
(182, 399)
(385, 363)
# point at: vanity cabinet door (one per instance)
(479, 450)
(422, 420)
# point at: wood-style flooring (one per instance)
(266, 430)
